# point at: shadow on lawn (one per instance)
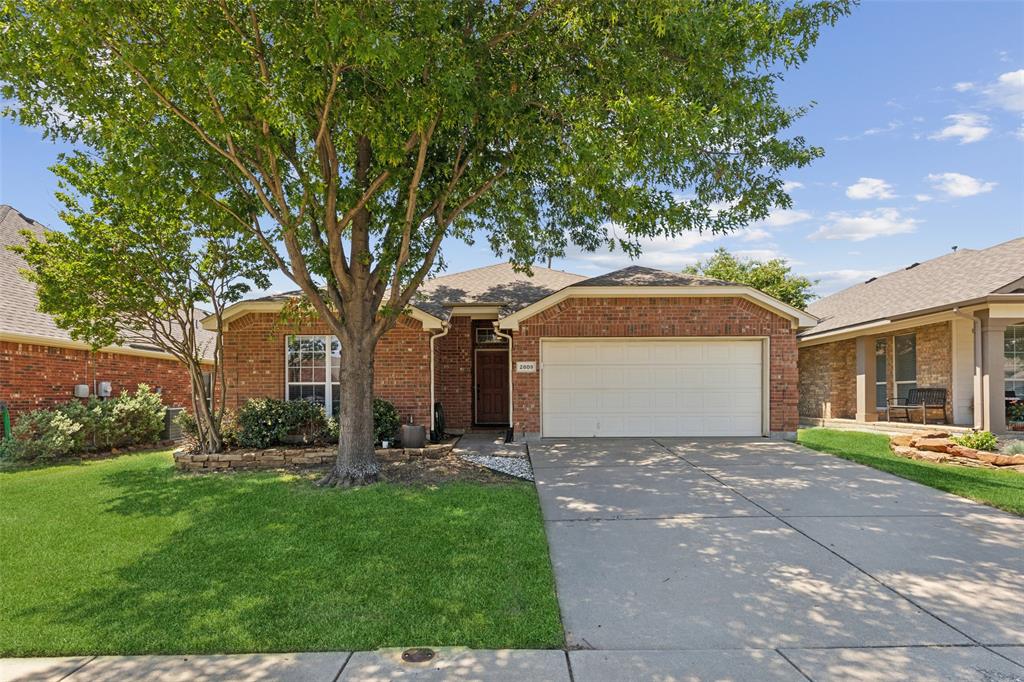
(269, 563)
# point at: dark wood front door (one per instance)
(492, 387)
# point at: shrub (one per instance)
(263, 422)
(1014, 447)
(977, 440)
(95, 425)
(41, 434)
(385, 419)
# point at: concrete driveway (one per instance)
(758, 559)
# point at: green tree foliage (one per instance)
(359, 135)
(774, 277)
(141, 264)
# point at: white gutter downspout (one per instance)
(509, 337)
(446, 327)
(979, 393)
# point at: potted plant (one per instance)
(1015, 416)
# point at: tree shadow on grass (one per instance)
(270, 563)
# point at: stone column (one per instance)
(993, 383)
(866, 409)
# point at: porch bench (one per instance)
(922, 399)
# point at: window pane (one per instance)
(906, 358)
(335, 399)
(313, 393)
(880, 360)
(903, 389)
(335, 359)
(880, 395)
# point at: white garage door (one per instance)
(651, 388)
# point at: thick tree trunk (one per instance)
(210, 440)
(356, 463)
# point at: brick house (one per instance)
(954, 322)
(636, 352)
(40, 364)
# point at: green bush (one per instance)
(1014, 447)
(978, 440)
(385, 419)
(264, 422)
(228, 427)
(95, 425)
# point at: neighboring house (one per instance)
(636, 352)
(953, 322)
(40, 364)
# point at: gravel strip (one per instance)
(513, 466)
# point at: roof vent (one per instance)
(911, 266)
(869, 281)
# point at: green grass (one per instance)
(125, 556)
(1002, 489)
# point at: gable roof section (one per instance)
(21, 320)
(963, 276)
(499, 285)
(646, 282)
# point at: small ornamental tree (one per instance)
(774, 277)
(363, 134)
(139, 265)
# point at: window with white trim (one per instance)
(313, 369)
(1013, 367)
(881, 382)
(905, 364)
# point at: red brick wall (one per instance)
(254, 363)
(454, 366)
(37, 376)
(654, 317)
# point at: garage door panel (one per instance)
(651, 388)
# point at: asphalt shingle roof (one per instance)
(954, 278)
(19, 312)
(638, 276)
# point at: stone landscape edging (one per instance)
(293, 457)
(937, 447)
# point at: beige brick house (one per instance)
(954, 322)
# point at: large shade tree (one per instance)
(364, 133)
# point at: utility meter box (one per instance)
(81, 390)
(104, 389)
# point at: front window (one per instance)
(1013, 370)
(312, 370)
(905, 364)
(881, 384)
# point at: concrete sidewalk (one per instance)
(363, 666)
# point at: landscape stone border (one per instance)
(937, 447)
(293, 458)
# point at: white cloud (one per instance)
(923, 197)
(754, 234)
(1008, 91)
(965, 127)
(781, 218)
(963, 86)
(880, 222)
(959, 185)
(870, 188)
(889, 127)
(790, 185)
(834, 280)
(1019, 132)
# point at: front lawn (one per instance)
(125, 556)
(1003, 489)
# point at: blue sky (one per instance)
(920, 109)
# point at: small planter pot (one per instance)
(385, 444)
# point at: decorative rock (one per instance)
(901, 441)
(512, 466)
(933, 444)
(931, 434)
